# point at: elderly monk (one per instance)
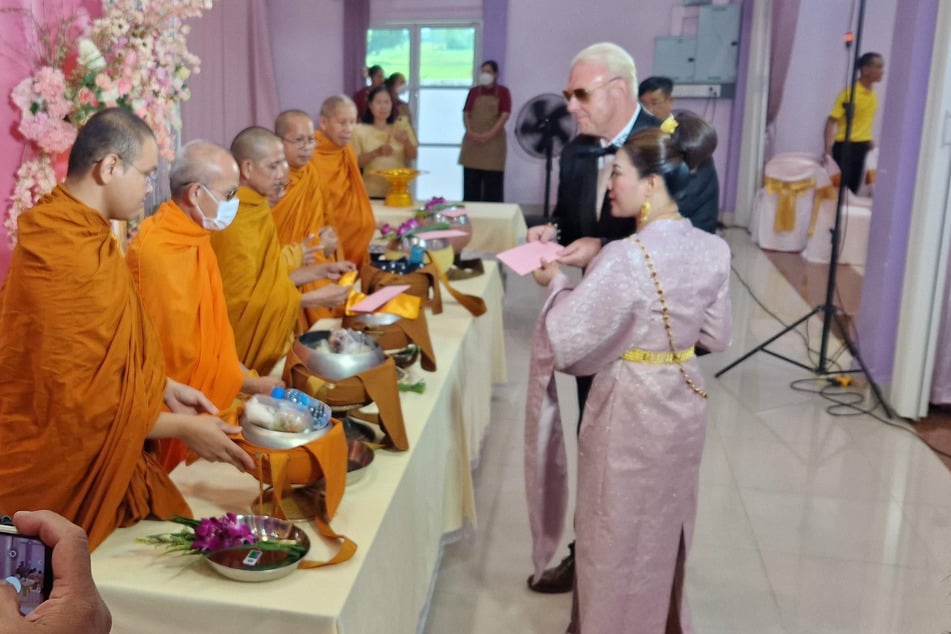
(262, 296)
(176, 273)
(300, 215)
(82, 378)
(345, 197)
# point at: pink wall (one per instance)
(307, 45)
(819, 65)
(14, 66)
(543, 67)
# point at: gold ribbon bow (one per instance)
(403, 305)
(669, 125)
(786, 204)
(829, 192)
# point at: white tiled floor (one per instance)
(807, 523)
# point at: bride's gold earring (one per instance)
(645, 212)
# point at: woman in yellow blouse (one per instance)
(381, 141)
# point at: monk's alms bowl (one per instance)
(244, 564)
(271, 439)
(377, 319)
(336, 366)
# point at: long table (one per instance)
(495, 226)
(397, 514)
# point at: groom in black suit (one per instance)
(602, 96)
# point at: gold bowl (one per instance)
(399, 179)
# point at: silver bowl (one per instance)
(432, 244)
(336, 366)
(377, 319)
(232, 563)
(271, 439)
(359, 457)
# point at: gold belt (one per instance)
(658, 358)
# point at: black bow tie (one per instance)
(597, 150)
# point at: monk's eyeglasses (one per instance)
(302, 141)
(150, 177)
(228, 196)
(584, 94)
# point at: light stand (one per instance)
(828, 309)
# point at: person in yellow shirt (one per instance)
(851, 160)
(188, 307)
(345, 197)
(382, 141)
(262, 296)
(300, 215)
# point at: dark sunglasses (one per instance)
(584, 94)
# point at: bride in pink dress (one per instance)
(633, 321)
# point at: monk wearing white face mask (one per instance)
(176, 273)
(482, 156)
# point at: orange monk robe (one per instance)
(176, 273)
(81, 377)
(263, 303)
(300, 213)
(345, 198)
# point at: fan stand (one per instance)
(549, 150)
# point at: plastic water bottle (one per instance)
(319, 410)
(416, 254)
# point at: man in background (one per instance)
(656, 95)
(851, 159)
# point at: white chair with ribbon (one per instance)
(856, 216)
(783, 210)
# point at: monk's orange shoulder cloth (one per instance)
(81, 377)
(345, 197)
(176, 273)
(301, 213)
(263, 303)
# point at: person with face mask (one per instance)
(260, 288)
(188, 307)
(82, 375)
(488, 107)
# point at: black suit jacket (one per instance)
(578, 188)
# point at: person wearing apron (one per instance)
(482, 156)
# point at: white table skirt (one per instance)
(397, 514)
(495, 226)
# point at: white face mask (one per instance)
(486, 79)
(227, 210)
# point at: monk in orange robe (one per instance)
(345, 197)
(82, 379)
(261, 293)
(300, 215)
(176, 273)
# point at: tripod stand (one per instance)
(830, 313)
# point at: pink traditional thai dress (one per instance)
(643, 427)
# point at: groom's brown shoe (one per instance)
(556, 580)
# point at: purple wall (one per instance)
(908, 67)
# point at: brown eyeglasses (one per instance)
(584, 94)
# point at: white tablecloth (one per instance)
(397, 514)
(495, 226)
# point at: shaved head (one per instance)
(110, 131)
(197, 162)
(285, 120)
(253, 144)
(330, 105)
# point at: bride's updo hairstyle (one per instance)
(673, 156)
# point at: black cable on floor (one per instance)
(846, 403)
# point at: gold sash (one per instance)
(787, 191)
(829, 192)
(658, 358)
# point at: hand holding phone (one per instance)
(74, 603)
(25, 564)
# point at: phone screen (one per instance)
(25, 564)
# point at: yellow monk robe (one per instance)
(81, 377)
(299, 214)
(263, 303)
(345, 198)
(176, 273)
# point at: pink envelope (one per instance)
(374, 300)
(527, 257)
(441, 233)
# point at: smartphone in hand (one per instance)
(26, 564)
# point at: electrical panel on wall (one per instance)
(703, 64)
